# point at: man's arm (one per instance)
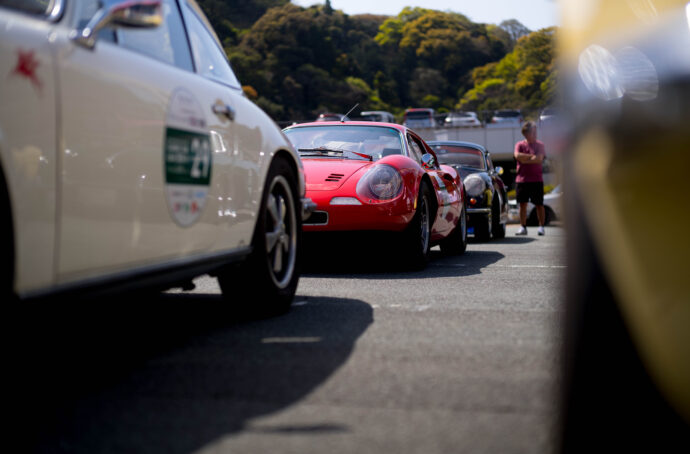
(526, 158)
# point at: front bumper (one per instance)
(308, 207)
(478, 210)
(392, 215)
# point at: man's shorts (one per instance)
(532, 191)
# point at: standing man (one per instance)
(530, 154)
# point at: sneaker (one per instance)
(541, 230)
(522, 231)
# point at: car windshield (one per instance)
(373, 141)
(423, 115)
(507, 114)
(454, 155)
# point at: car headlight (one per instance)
(474, 186)
(381, 182)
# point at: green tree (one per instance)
(523, 79)
(229, 17)
(443, 41)
(299, 61)
(301, 58)
(514, 29)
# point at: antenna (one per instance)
(342, 119)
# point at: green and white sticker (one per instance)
(187, 158)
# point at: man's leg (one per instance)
(538, 201)
(541, 215)
(523, 213)
(523, 219)
(522, 196)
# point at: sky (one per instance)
(533, 14)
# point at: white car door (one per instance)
(27, 136)
(145, 147)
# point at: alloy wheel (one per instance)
(281, 232)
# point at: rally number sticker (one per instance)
(187, 159)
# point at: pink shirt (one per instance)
(528, 173)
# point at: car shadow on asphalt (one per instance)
(365, 264)
(504, 240)
(172, 373)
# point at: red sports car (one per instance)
(381, 177)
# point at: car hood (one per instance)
(330, 174)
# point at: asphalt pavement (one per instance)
(460, 357)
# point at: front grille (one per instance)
(335, 177)
(317, 218)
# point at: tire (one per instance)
(498, 229)
(533, 219)
(456, 242)
(270, 275)
(418, 233)
(7, 259)
(482, 228)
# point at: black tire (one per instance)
(482, 227)
(7, 258)
(269, 277)
(418, 233)
(533, 219)
(456, 242)
(498, 229)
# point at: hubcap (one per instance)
(281, 232)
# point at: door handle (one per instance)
(224, 110)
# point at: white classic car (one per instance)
(130, 157)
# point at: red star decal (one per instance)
(26, 67)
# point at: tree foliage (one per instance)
(514, 29)
(524, 78)
(296, 62)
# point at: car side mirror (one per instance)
(499, 170)
(428, 161)
(124, 13)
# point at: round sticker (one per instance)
(187, 158)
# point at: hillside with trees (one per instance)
(296, 62)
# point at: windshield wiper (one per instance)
(362, 155)
(323, 151)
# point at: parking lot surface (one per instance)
(460, 357)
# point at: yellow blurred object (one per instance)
(626, 80)
(586, 21)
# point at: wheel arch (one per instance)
(294, 166)
(434, 201)
(7, 262)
